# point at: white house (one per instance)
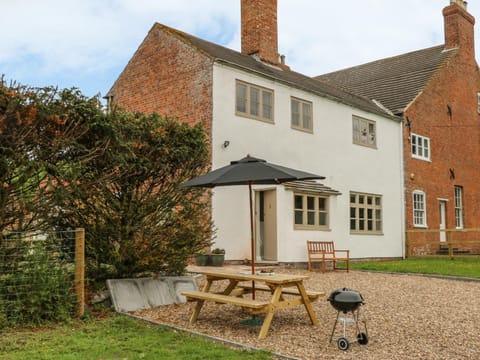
(250, 102)
(360, 207)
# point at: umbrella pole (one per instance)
(252, 244)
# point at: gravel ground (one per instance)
(408, 317)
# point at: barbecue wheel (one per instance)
(343, 344)
(362, 339)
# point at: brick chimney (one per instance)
(459, 24)
(259, 30)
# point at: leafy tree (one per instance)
(65, 163)
(39, 129)
(136, 217)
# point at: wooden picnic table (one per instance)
(278, 285)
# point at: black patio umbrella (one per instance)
(248, 171)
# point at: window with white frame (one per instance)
(420, 147)
(254, 101)
(419, 209)
(302, 118)
(478, 102)
(310, 211)
(459, 207)
(365, 213)
(364, 132)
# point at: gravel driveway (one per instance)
(408, 317)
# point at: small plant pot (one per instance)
(217, 259)
(201, 260)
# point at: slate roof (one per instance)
(394, 81)
(248, 63)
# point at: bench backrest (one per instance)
(320, 247)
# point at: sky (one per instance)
(87, 43)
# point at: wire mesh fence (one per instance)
(40, 277)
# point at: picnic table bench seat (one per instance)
(257, 305)
(323, 251)
(312, 295)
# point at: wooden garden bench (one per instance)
(323, 251)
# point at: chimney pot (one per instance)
(462, 3)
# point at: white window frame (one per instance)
(420, 147)
(304, 114)
(307, 212)
(364, 132)
(366, 213)
(419, 206)
(261, 112)
(458, 197)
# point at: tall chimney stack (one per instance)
(459, 27)
(259, 29)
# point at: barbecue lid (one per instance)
(346, 296)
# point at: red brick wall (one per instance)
(459, 31)
(454, 142)
(259, 29)
(167, 76)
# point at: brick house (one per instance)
(436, 91)
(250, 102)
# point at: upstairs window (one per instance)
(254, 101)
(459, 207)
(420, 147)
(419, 209)
(302, 118)
(364, 132)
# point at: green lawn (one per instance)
(117, 337)
(458, 266)
(120, 337)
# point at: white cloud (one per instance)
(88, 42)
(330, 35)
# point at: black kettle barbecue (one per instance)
(349, 305)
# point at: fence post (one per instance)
(80, 270)
(450, 245)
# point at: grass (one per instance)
(458, 266)
(120, 337)
(117, 337)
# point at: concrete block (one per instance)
(145, 293)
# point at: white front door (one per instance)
(443, 225)
(266, 220)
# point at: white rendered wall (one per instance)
(329, 151)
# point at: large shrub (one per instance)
(39, 133)
(65, 163)
(136, 217)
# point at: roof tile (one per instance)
(394, 81)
